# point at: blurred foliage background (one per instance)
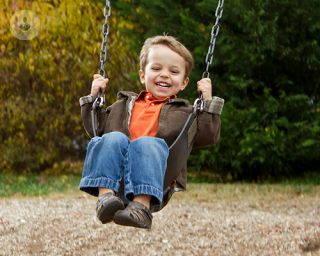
(266, 67)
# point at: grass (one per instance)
(247, 192)
(307, 186)
(311, 178)
(36, 185)
(62, 185)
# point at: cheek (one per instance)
(149, 77)
(178, 81)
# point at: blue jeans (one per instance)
(141, 163)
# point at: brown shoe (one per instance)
(135, 215)
(107, 206)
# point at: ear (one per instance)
(184, 84)
(142, 77)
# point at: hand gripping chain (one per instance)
(209, 57)
(98, 103)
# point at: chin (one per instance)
(160, 97)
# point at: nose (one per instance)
(164, 74)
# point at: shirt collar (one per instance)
(144, 94)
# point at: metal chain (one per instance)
(214, 34)
(105, 32)
(103, 55)
(103, 58)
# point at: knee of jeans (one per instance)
(151, 145)
(115, 138)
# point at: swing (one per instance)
(181, 148)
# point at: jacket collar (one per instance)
(142, 94)
(127, 94)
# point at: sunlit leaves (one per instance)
(43, 79)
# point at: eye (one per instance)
(155, 68)
(174, 71)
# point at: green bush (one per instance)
(266, 67)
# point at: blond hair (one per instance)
(170, 42)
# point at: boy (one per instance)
(137, 131)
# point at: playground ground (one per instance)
(206, 220)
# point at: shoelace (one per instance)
(103, 199)
(140, 214)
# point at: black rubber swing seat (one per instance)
(179, 152)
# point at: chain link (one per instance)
(105, 32)
(214, 34)
(103, 58)
(103, 55)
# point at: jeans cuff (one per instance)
(144, 190)
(86, 184)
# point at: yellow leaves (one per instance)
(64, 177)
(46, 7)
(31, 68)
(20, 134)
(312, 68)
(51, 73)
(9, 47)
(2, 48)
(21, 179)
(56, 2)
(21, 56)
(67, 185)
(85, 36)
(202, 27)
(124, 23)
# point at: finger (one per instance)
(96, 76)
(205, 81)
(201, 82)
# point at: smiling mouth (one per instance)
(165, 85)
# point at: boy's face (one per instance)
(164, 72)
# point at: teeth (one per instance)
(163, 85)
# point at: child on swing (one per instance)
(137, 131)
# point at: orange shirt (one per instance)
(145, 115)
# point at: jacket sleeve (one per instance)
(209, 123)
(86, 108)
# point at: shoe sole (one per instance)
(127, 221)
(109, 210)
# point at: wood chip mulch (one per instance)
(69, 227)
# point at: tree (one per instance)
(266, 67)
(42, 80)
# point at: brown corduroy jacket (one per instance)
(173, 115)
